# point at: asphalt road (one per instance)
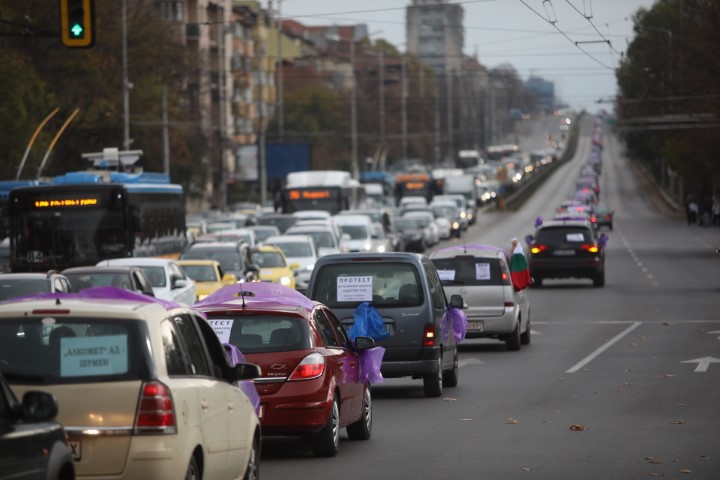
(620, 382)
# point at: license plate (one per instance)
(75, 449)
(564, 252)
(477, 326)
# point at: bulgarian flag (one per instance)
(519, 270)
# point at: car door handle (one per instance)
(231, 406)
(204, 404)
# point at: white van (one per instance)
(359, 228)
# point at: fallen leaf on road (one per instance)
(466, 419)
(678, 422)
(526, 469)
(576, 427)
(450, 399)
(562, 379)
(654, 474)
(680, 404)
(512, 421)
(685, 470)
(653, 460)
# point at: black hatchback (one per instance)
(32, 444)
(567, 249)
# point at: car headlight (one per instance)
(455, 225)
(381, 249)
(285, 281)
(367, 246)
(310, 267)
(462, 214)
(201, 297)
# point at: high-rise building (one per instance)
(435, 33)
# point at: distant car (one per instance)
(413, 234)
(32, 443)
(603, 216)
(427, 221)
(168, 280)
(300, 250)
(146, 389)
(359, 229)
(567, 249)
(234, 257)
(236, 235)
(20, 284)
(325, 237)
(208, 276)
(282, 221)
(480, 273)
(129, 277)
(274, 266)
(5, 256)
(263, 232)
(307, 362)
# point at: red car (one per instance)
(315, 380)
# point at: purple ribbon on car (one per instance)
(456, 319)
(370, 361)
(235, 356)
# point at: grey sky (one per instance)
(511, 31)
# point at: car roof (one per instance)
(352, 219)
(198, 262)
(140, 261)
(370, 257)
(103, 268)
(571, 222)
(214, 246)
(290, 238)
(28, 275)
(262, 297)
(476, 250)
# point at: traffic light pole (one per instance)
(126, 82)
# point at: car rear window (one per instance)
(228, 260)
(557, 235)
(470, 270)
(53, 351)
(17, 287)
(262, 333)
(345, 285)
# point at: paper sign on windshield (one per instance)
(222, 329)
(446, 275)
(354, 289)
(87, 356)
(482, 271)
(575, 237)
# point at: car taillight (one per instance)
(156, 410)
(535, 249)
(429, 335)
(590, 248)
(509, 304)
(311, 366)
(506, 279)
(593, 219)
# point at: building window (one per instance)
(172, 10)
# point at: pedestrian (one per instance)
(716, 212)
(692, 211)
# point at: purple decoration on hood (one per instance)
(370, 361)
(107, 293)
(260, 293)
(456, 318)
(248, 387)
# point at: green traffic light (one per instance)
(77, 30)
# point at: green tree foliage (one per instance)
(44, 75)
(670, 72)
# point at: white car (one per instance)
(168, 279)
(325, 237)
(145, 389)
(428, 222)
(359, 228)
(298, 249)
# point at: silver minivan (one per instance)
(480, 273)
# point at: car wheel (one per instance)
(599, 279)
(513, 340)
(193, 470)
(325, 442)
(253, 467)
(362, 429)
(525, 336)
(450, 377)
(433, 383)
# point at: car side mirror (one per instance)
(456, 301)
(39, 406)
(364, 343)
(245, 371)
(345, 237)
(149, 293)
(529, 239)
(179, 283)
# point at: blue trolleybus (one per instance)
(112, 210)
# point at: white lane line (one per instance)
(600, 350)
(469, 361)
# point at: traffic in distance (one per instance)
(376, 309)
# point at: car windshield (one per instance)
(16, 287)
(356, 232)
(322, 239)
(403, 224)
(81, 281)
(230, 261)
(268, 260)
(267, 333)
(295, 249)
(262, 234)
(470, 270)
(201, 273)
(51, 350)
(156, 276)
(345, 285)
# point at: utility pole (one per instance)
(262, 174)
(438, 137)
(450, 155)
(221, 104)
(381, 94)
(353, 110)
(403, 106)
(281, 90)
(166, 135)
(126, 81)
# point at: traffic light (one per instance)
(77, 23)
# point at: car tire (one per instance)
(513, 340)
(525, 336)
(433, 383)
(362, 429)
(536, 282)
(193, 470)
(450, 377)
(253, 467)
(599, 279)
(325, 442)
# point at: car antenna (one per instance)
(57, 301)
(242, 294)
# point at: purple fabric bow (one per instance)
(248, 387)
(108, 293)
(370, 361)
(455, 318)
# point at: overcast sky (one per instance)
(511, 31)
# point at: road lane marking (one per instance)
(703, 363)
(469, 361)
(600, 350)
(714, 332)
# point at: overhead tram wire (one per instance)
(589, 19)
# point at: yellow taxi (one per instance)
(274, 266)
(208, 276)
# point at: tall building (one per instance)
(435, 33)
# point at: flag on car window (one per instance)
(519, 270)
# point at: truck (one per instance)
(464, 185)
